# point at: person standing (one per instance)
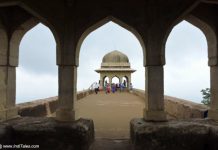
(124, 83)
(130, 87)
(121, 87)
(120, 84)
(108, 88)
(113, 88)
(96, 87)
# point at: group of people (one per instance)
(111, 88)
(114, 87)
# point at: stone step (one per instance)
(111, 144)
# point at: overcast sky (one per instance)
(186, 70)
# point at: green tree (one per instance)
(206, 96)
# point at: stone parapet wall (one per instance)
(179, 108)
(45, 107)
(175, 107)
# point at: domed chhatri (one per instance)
(115, 64)
(115, 56)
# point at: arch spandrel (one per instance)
(101, 23)
(36, 15)
(3, 45)
(16, 39)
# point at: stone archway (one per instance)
(126, 81)
(211, 37)
(10, 55)
(115, 80)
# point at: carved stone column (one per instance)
(67, 93)
(154, 96)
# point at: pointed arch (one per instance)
(101, 23)
(115, 77)
(210, 36)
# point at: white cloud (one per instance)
(31, 86)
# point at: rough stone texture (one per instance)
(183, 109)
(179, 108)
(38, 108)
(111, 144)
(45, 107)
(53, 105)
(36, 111)
(174, 135)
(48, 133)
(213, 112)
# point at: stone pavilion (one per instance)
(115, 64)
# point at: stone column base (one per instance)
(48, 133)
(155, 115)
(213, 114)
(9, 113)
(65, 114)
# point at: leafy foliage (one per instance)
(206, 96)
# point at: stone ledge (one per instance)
(174, 135)
(48, 133)
(9, 113)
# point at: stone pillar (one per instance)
(110, 80)
(102, 81)
(154, 94)
(129, 80)
(7, 93)
(213, 111)
(67, 93)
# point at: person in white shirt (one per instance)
(96, 87)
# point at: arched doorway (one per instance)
(115, 80)
(106, 81)
(37, 64)
(107, 106)
(186, 69)
(125, 81)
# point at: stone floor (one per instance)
(111, 144)
(111, 113)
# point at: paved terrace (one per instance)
(111, 113)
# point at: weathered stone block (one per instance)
(33, 111)
(174, 135)
(53, 105)
(9, 113)
(213, 114)
(50, 134)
